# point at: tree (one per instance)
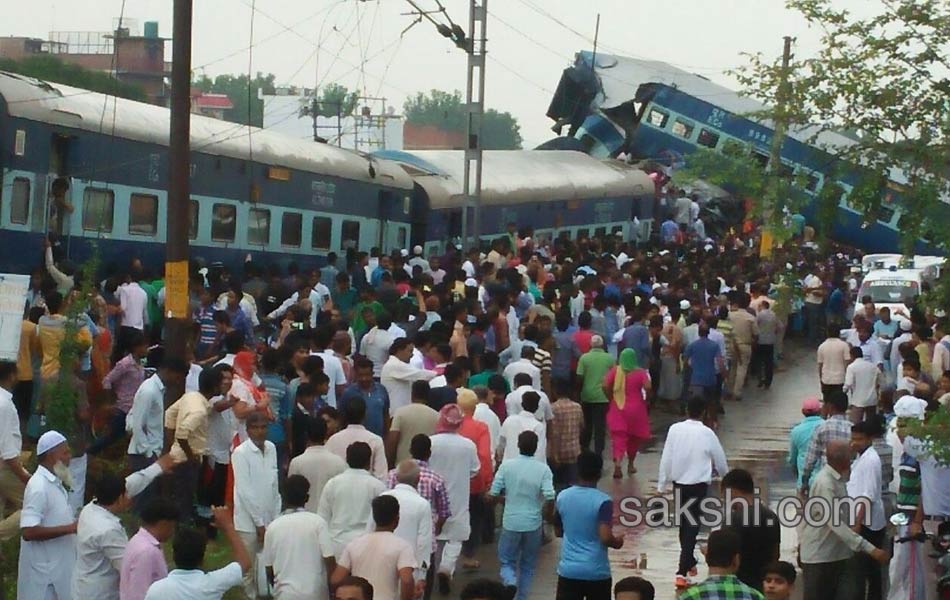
(500, 131)
(736, 170)
(336, 99)
(881, 76)
(49, 68)
(243, 93)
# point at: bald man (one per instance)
(828, 546)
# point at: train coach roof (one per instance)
(621, 76)
(516, 176)
(65, 106)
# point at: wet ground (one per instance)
(754, 434)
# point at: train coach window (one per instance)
(812, 182)
(98, 210)
(258, 226)
(707, 138)
(682, 128)
(20, 201)
(885, 214)
(658, 118)
(223, 222)
(143, 214)
(291, 229)
(193, 210)
(320, 236)
(600, 232)
(350, 237)
(583, 234)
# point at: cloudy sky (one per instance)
(361, 44)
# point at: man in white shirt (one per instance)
(691, 454)
(298, 551)
(354, 411)
(415, 515)
(345, 502)
(317, 464)
(47, 526)
(381, 557)
(485, 414)
(833, 357)
(256, 495)
(455, 458)
(100, 536)
(188, 550)
(13, 477)
(376, 343)
(522, 385)
(864, 483)
(332, 365)
(146, 420)
(397, 375)
(521, 421)
(524, 365)
(870, 347)
(941, 354)
(813, 307)
(861, 383)
(895, 357)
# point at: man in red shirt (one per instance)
(478, 509)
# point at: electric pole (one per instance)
(475, 111)
(779, 129)
(177, 221)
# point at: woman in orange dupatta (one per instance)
(250, 398)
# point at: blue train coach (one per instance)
(85, 167)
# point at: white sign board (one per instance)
(13, 290)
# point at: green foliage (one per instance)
(61, 396)
(500, 131)
(49, 68)
(243, 93)
(934, 432)
(337, 99)
(880, 75)
(735, 169)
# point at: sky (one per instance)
(365, 45)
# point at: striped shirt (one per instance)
(124, 380)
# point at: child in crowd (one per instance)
(779, 580)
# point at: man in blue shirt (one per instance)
(583, 516)
(373, 394)
(278, 430)
(668, 231)
(528, 486)
(637, 338)
(801, 435)
(328, 272)
(706, 362)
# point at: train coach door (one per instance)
(60, 204)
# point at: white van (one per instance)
(893, 288)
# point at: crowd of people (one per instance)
(349, 430)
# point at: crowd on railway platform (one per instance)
(351, 430)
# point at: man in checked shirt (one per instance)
(835, 427)
(431, 486)
(123, 380)
(565, 436)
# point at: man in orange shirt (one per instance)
(478, 509)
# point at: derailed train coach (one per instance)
(556, 193)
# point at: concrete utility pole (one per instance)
(475, 111)
(781, 110)
(779, 129)
(177, 220)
